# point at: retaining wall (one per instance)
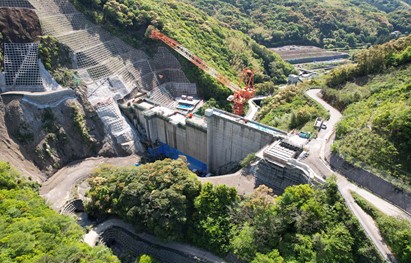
(278, 177)
(373, 183)
(230, 139)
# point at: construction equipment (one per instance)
(240, 96)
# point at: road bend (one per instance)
(317, 162)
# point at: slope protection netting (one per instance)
(53, 7)
(16, 3)
(21, 65)
(163, 59)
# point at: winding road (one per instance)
(58, 189)
(316, 161)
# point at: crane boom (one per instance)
(155, 34)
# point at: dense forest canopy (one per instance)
(30, 231)
(165, 198)
(326, 23)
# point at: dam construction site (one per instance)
(147, 104)
(129, 107)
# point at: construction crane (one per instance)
(240, 96)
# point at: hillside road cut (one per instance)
(319, 148)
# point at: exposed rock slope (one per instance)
(54, 134)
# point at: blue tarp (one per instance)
(170, 152)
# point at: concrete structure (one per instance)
(306, 54)
(230, 138)
(220, 140)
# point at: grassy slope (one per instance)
(328, 23)
(376, 129)
(291, 109)
(229, 51)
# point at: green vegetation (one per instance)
(32, 232)
(374, 95)
(56, 60)
(327, 23)
(165, 198)
(395, 231)
(158, 197)
(212, 103)
(289, 109)
(146, 259)
(80, 123)
(371, 61)
(229, 51)
(248, 160)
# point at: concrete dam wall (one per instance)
(220, 140)
(230, 139)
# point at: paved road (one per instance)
(317, 162)
(92, 237)
(253, 108)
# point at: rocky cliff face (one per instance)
(53, 136)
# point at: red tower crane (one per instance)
(240, 95)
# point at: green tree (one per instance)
(211, 219)
(272, 257)
(146, 259)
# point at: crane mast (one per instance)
(240, 95)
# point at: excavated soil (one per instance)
(50, 137)
(19, 25)
(10, 152)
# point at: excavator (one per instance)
(241, 95)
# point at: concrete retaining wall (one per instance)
(185, 138)
(373, 183)
(279, 177)
(229, 142)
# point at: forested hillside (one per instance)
(30, 231)
(228, 50)
(326, 23)
(375, 97)
(166, 198)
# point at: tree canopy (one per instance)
(301, 225)
(32, 232)
(227, 50)
(374, 95)
(326, 23)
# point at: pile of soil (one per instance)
(19, 25)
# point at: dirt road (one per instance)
(58, 189)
